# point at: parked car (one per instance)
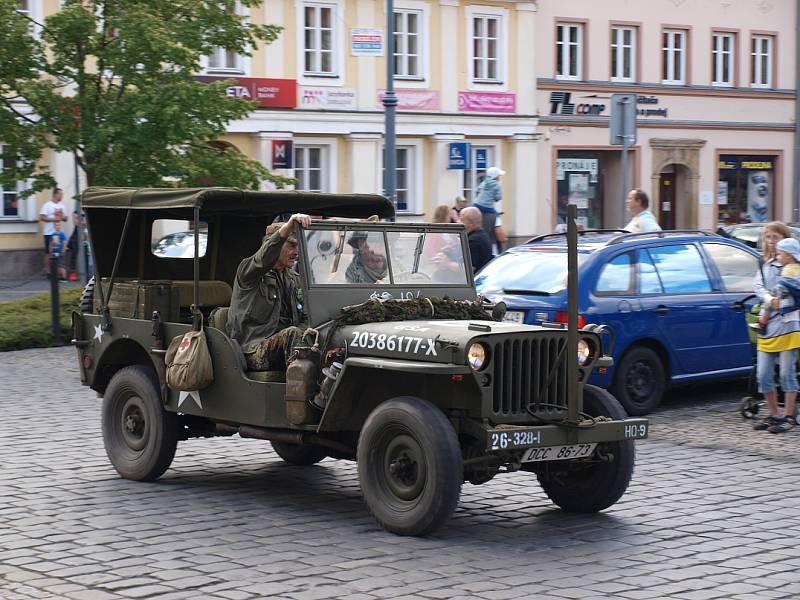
(675, 303)
(751, 234)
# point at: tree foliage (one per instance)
(113, 82)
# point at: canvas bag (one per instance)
(188, 361)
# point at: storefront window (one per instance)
(745, 189)
(579, 182)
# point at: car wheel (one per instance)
(301, 455)
(409, 466)
(591, 486)
(140, 437)
(639, 381)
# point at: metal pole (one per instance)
(389, 105)
(80, 266)
(574, 387)
(54, 298)
(796, 203)
(625, 138)
(196, 274)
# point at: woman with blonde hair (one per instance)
(442, 214)
(778, 342)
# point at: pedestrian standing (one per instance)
(52, 212)
(461, 204)
(779, 341)
(488, 195)
(642, 220)
(480, 247)
(58, 244)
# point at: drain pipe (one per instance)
(796, 187)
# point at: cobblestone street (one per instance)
(713, 512)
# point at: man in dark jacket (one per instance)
(480, 246)
(266, 314)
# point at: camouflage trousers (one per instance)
(273, 353)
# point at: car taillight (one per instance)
(562, 317)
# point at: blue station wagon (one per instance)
(675, 302)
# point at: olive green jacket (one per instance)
(258, 292)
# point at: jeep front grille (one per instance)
(521, 367)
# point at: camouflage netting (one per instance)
(373, 311)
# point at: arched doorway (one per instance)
(674, 179)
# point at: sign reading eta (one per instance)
(458, 156)
(282, 154)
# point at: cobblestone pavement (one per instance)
(713, 512)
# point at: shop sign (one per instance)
(576, 164)
(323, 98)
(757, 163)
(282, 154)
(269, 93)
(561, 103)
(496, 102)
(649, 110)
(366, 42)
(414, 99)
(458, 154)
(481, 158)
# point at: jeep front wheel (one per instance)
(589, 486)
(409, 466)
(140, 437)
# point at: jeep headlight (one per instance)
(477, 356)
(584, 352)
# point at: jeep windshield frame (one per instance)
(328, 250)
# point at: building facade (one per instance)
(525, 86)
(714, 84)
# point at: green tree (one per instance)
(113, 82)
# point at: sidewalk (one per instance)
(14, 289)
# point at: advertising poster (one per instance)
(579, 190)
(758, 196)
(722, 193)
(366, 42)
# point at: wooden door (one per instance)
(666, 195)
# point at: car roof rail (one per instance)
(662, 234)
(582, 232)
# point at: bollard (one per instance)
(54, 299)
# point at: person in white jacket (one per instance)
(642, 220)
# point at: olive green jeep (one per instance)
(406, 370)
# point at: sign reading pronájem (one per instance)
(414, 99)
(366, 42)
(496, 102)
(324, 98)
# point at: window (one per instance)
(10, 196)
(761, 61)
(485, 48)
(649, 283)
(616, 277)
(722, 59)
(310, 169)
(482, 157)
(736, 267)
(403, 178)
(569, 45)
(623, 53)
(318, 58)
(224, 60)
(408, 44)
(680, 269)
(674, 56)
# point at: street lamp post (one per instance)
(390, 105)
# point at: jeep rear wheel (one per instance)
(639, 381)
(140, 437)
(301, 455)
(591, 486)
(409, 466)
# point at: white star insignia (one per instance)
(98, 333)
(194, 395)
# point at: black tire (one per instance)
(639, 381)
(589, 487)
(86, 303)
(409, 466)
(139, 435)
(300, 455)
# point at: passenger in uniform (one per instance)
(266, 315)
(368, 265)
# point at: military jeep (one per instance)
(406, 370)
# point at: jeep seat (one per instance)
(218, 319)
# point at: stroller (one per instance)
(750, 405)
